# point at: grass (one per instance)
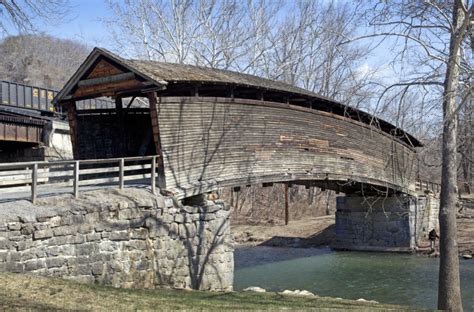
(27, 292)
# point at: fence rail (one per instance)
(113, 172)
(422, 185)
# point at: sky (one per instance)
(84, 23)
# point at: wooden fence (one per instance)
(71, 175)
(50, 176)
(422, 185)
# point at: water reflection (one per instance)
(385, 277)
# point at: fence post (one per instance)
(76, 179)
(34, 183)
(121, 173)
(153, 175)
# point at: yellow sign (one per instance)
(50, 95)
(35, 92)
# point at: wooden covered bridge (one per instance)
(214, 128)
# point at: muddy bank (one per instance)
(310, 232)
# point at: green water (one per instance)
(384, 277)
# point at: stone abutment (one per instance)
(126, 238)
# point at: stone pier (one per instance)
(127, 238)
(394, 223)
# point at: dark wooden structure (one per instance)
(19, 133)
(220, 128)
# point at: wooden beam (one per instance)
(118, 103)
(121, 173)
(34, 183)
(155, 125)
(153, 175)
(105, 80)
(107, 88)
(72, 118)
(76, 179)
(121, 124)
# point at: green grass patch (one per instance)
(27, 292)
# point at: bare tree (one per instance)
(466, 143)
(23, 14)
(431, 37)
(449, 289)
(293, 42)
(40, 60)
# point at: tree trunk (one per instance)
(449, 290)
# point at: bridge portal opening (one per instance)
(114, 133)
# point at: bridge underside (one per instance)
(20, 136)
(20, 129)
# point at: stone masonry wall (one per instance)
(124, 238)
(374, 223)
(395, 223)
(426, 218)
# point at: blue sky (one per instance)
(83, 23)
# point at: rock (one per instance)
(368, 301)
(297, 292)
(109, 238)
(255, 289)
(306, 293)
(467, 256)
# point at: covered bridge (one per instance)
(220, 128)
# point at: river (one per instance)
(385, 277)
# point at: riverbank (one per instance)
(27, 292)
(308, 232)
(319, 232)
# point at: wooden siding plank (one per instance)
(204, 139)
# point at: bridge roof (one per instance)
(163, 74)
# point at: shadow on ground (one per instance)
(322, 238)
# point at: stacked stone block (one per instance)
(374, 223)
(383, 223)
(121, 238)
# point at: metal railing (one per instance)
(113, 172)
(422, 185)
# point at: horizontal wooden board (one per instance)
(215, 139)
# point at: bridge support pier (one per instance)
(397, 223)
